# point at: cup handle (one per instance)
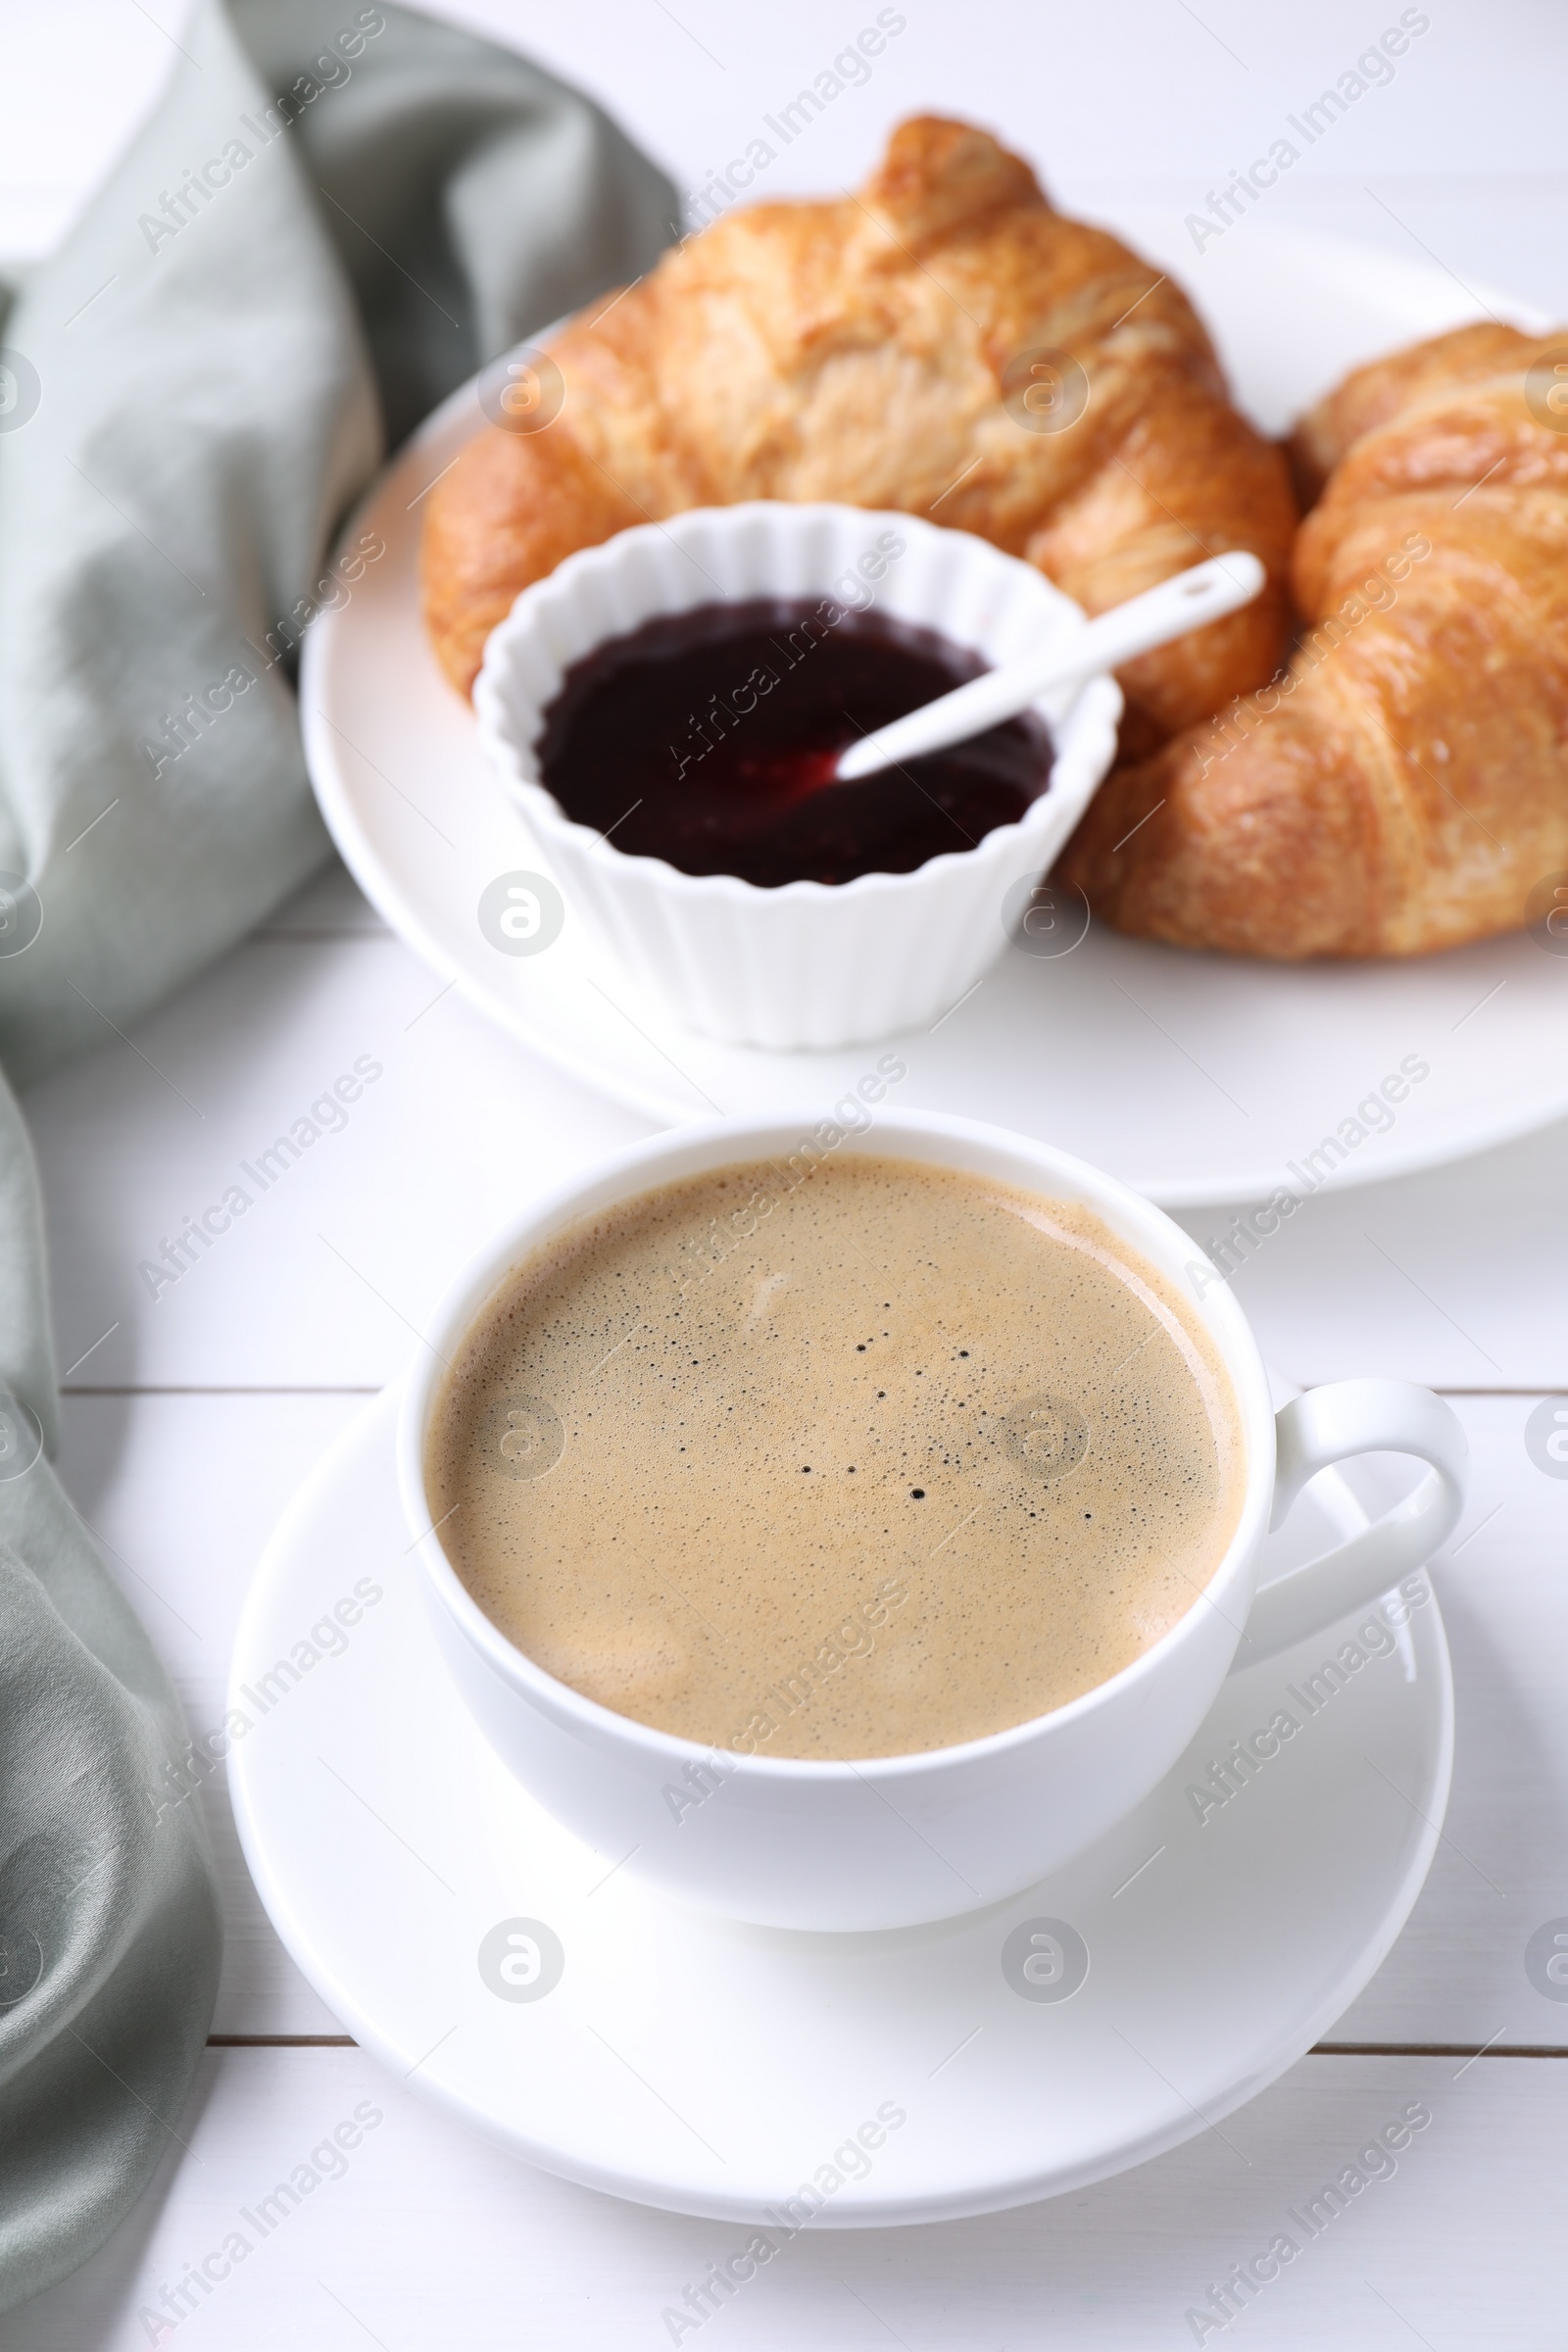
(1329, 1425)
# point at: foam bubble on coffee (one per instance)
(851, 1465)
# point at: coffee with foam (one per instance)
(860, 1463)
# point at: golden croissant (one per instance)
(944, 343)
(1403, 786)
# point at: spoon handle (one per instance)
(1187, 602)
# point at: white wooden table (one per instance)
(188, 1427)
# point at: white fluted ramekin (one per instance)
(810, 964)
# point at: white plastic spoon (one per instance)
(1206, 593)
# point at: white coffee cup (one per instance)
(891, 1841)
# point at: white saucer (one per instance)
(1194, 1078)
(711, 2068)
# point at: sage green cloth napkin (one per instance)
(335, 215)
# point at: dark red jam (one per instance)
(708, 738)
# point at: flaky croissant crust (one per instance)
(1403, 787)
(857, 351)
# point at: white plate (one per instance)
(1194, 1078)
(708, 2068)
